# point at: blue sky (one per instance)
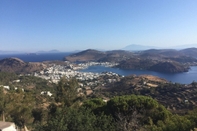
(67, 25)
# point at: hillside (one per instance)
(135, 47)
(137, 98)
(169, 67)
(176, 97)
(116, 56)
(84, 56)
(94, 55)
(160, 60)
(18, 66)
(136, 63)
(190, 52)
(182, 59)
(154, 65)
(161, 53)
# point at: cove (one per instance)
(183, 78)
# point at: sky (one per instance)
(68, 25)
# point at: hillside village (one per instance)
(98, 65)
(55, 72)
(87, 80)
(63, 84)
(90, 83)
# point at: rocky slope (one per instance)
(94, 55)
(136, 63)
(18, 66)
(190, 52)
(169, 67)
(154, 65)
(176, 97)
(85, 56)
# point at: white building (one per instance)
(6, 87)
(46, 93)
(7, 126)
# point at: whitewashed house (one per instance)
(7, 126)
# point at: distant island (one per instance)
(137, 47)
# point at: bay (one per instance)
(183, 78)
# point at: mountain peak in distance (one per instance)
(135, 47)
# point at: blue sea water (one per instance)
(37, 57)
(183, 78)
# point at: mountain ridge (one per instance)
(160, 60)
(136, 47)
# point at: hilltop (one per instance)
(94, 55)
(18, 66)
(87, 55)
(190, 52)
(135, 47)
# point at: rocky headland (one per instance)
(19, 66)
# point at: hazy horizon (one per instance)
(134, 49)
(31, 26)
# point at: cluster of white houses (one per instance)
(88, 80)
(8, 87)
(86, 65)
(55, 72)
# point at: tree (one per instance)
(2, 102)
(174, 123)
(67, 91)
(132, 112)
(19, 107)
(37, 113)
(192, 116)
(7, 77)
(97, 105)
(72, 119)
(194, 84)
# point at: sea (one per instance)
(37, 57)
(183, 78)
